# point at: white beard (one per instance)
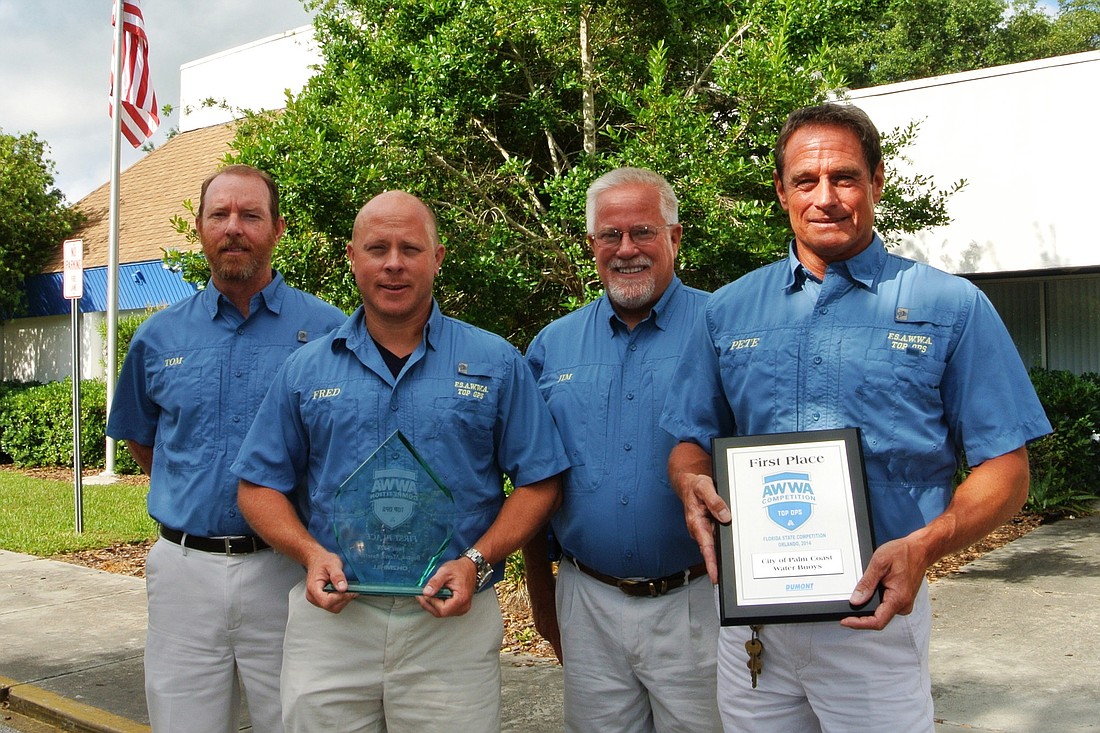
(630, 295)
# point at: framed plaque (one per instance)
(801, 535)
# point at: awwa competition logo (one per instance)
(393, 496)
(789, 499)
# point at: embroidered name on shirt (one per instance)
(565, 377)
(744, 344)
(471, 389)
(322, 394)
(910, 341)
(173, 361)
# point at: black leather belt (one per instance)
(238, 545)
(644, 587)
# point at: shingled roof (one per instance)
(151, 191)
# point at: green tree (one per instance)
(499, 114)
(913, 39)
(34, 219)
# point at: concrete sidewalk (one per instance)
(1015, 644)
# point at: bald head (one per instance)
(391, 207)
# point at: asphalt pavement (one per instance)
(1015, 645)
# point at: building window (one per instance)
(1054, 321)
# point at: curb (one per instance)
(61, 712)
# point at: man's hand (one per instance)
(689, 471)
(460, 577)
(324, 568)
(899, 567)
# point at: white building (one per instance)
(1024, 137)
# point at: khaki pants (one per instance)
(385, 664)
(825, 678)
(215, 622)
(637, 665)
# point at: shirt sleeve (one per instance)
(529, 448)
(134, 416)
(696, 409)
(989, 401)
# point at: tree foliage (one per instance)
(912, 39)
(499, 113)
(34, 219)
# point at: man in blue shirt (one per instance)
(468, 404)
(191, 382)
(843, 334)
(634, 620)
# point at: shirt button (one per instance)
(239, 373)
(236, 418)
(817, 360)
(816, 416)
(824, 311)
(634, 347)
(240, 332)
(630, 395)
(626, 446)
(624, 500)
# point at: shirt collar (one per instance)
(862, 268)
(353, 331)
(271, 296)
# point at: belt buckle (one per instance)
(228, 541)
(652, 588)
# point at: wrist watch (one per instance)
(484, 569)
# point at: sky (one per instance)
(55, 68)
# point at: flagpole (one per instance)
(112, 239)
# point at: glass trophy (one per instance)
(393, 519)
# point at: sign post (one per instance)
(73, 277)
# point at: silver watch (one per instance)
(484, 569)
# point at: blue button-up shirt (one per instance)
(465, 401)
(605, 386)
(916, 358)
(193, 377)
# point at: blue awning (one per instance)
(140, 285)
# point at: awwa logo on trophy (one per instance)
(393, 496)
(788, 498)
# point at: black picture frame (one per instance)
(802, 532)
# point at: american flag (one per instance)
(139, 119)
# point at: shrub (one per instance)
(124, 332)
(1065, 465)
(36, 426)
(6, 389)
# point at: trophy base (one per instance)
(377, 589)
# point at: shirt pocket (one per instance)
(897, 394)
(579, 401)
(464, 408)
(749, 368)
(186, 386)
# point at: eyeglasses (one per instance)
(638, 235)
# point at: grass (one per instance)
(39, 515)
